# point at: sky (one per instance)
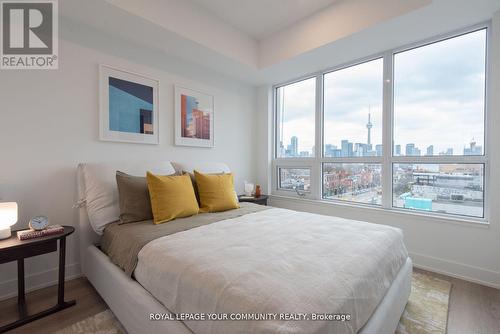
(349, 94)
(298, 117)
(438, 99)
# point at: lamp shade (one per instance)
(8, 214)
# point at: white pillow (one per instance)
(101, 191)
(203, 167)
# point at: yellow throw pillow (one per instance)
(216, 192)
(171, 197)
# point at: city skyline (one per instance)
(351, 149)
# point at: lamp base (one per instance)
(5, 233)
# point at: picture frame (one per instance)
(194, 118)
(128, 106)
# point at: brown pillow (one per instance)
(133, 193)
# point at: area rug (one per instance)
(427, 309)
(425, 313)
(100, 323)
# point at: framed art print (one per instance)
(128, 107)
(194, 118)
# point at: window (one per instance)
(352, 128)
(296, 105)
(353, 111)
(439, 112)
(445, 188)
(353, 182)
(403, 130)
(439, 97)
(295, 179)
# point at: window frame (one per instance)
(388, 159)
(278, 178)
(276, 128)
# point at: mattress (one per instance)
(291, 269)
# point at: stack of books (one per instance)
(246, 197)
(32, 234)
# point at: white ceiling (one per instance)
(261, 18)
(189, 33)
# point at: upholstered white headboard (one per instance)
(101, 179)
(203, 167)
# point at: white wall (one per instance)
(49, 123)
(464, 250)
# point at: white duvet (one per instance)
(275, 262)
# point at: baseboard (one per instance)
(38, 280)
(458, 270)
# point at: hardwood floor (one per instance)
(474, 309)
(88, 303)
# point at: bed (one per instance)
(251, 263)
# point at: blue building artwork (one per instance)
(130, 107)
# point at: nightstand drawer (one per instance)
(22, 252)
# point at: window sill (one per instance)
(439, 218)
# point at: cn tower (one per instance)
(369, 126)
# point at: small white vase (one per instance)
(249, 188)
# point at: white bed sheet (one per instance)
(276, 261)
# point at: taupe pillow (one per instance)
(133, 192)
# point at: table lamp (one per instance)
(8, 217)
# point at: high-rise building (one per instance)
(378, 149)
(449, 151)
(410, 149)
(282, 150)
(188, 126)
(330, 150)
(360, 150)
(206, 126)
(397, 150)
(430, 150)
(201, 123)
(345, 147)
(473, 149)
(294, 146)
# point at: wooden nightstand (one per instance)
(262, 200)
(13, 249)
